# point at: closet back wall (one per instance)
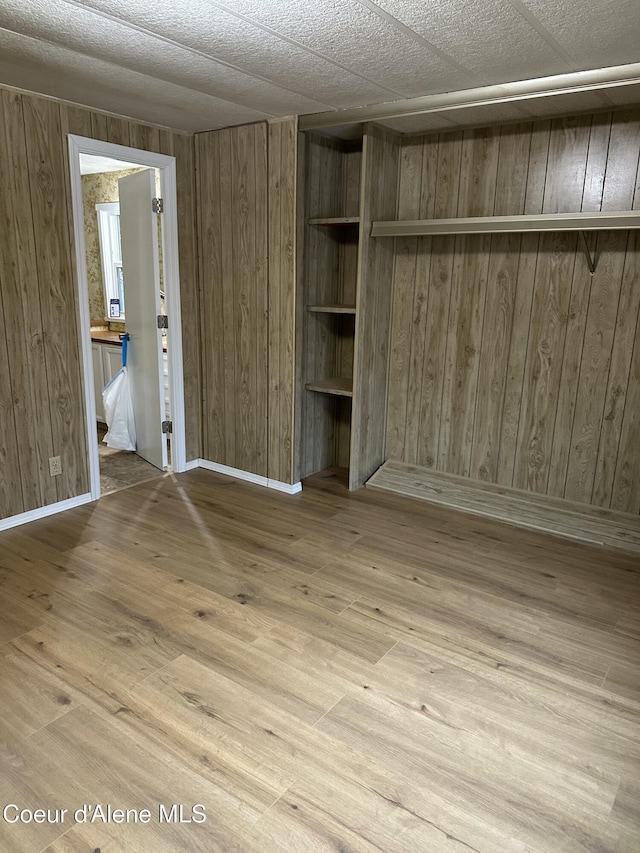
(509, 363)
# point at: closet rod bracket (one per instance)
(591, 261)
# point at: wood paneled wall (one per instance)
(41, 392)
(246, 181)
(378, 200)
(509, 362)
(232, 212)
(282, 163)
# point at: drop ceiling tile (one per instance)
(39, 67)
(201, 25)
(352, 35)
(490, 37)
(83, 31)
(597, 33)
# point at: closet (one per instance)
(346, 300)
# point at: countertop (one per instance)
(105, 337)
(101, 336)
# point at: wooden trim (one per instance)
(601, 221)
(247, 476)
(340, 386)
(378, 197)
(332, 309)
(335, 220)
(44, 511)
(560, 517)
(167, 166)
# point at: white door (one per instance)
(141, 273)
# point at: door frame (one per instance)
(167, 166)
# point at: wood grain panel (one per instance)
(57, 299)
(594, 366)
(425, 292)
(521, 361)
(448, 175)
(118, 130)
(282, 304)
(596, 162)
(259, 440)
(373, 320)
(494, 354)
(210, 270)
(232, 212)
(569, 381)
(567, 164)
(404, 273)
(147, 138)
(514, 380)
(183, 151)
(626, 484)
(75, 120)
(478, 172)
(39, 304)
(622, 162)
(432, 386)
(466, 318)
(11, 498)
(99, 126)
(537, 172)
(23, 321)
(619, 374)
(512, 170)
(544, 360)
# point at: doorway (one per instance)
(156, 365)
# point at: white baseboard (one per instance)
(259, 480)
(288, 488)
(61, 506)
(44, 511)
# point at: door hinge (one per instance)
(163, 321)
(167, 427)
(157, 205)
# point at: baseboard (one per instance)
(192, 465)
(44, 511)
(287, 488)
(257, 479)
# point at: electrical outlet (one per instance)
(55, 466)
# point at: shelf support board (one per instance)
(591, 261)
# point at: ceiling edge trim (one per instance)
(502, 93)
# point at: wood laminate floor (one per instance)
(322, 672)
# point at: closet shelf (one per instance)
(341, 386)
(598, 221)
(332, 309)
(335, 220)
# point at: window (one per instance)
(111, 254)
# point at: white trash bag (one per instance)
(118, 411)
